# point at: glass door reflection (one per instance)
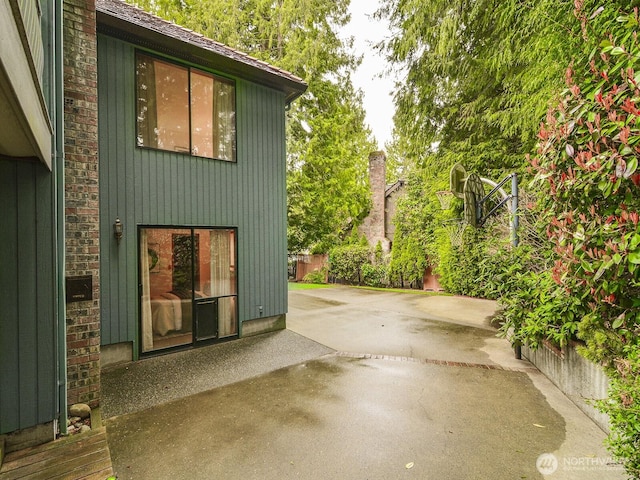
(188, 286)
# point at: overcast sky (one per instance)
(378, 102)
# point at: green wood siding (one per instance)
(27, 296)
(150, 187)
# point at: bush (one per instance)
(414, 221)
(476, 267)
(375, 275)
(317, 276)
(346, 261)
(355, 262)
(624, 414)
(587, 166)
(533, 307)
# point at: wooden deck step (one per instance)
(79, 457)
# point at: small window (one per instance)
(184, 110)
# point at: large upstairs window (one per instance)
(182, 109)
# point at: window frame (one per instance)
(195, 342)
(189, 67)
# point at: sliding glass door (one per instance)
(188, 287)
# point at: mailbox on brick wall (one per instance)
(79, 288)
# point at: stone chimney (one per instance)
(373, 225)
(377, 181)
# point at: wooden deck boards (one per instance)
(79, 457)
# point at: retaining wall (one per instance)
(579, 379)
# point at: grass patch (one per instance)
(406, 290)
(307, 286)
(313, 286)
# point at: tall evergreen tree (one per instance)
(328, 140)
(480, 76)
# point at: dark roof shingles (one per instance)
(141, 18)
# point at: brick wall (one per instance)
(81, 196)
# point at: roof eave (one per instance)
(121, 28)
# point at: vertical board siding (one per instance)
(46, 296)
(28, 326)
(149, 187)
(27, 296)
(9, 319)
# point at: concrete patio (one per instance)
(362, 385)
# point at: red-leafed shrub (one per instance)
(587, 166)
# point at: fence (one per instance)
(301, 264)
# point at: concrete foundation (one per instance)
(116, 353)
(263, 325)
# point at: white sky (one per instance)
(378, 102)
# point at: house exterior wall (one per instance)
(27, 296)
(82, 198)
(29, 400)
(160, 188)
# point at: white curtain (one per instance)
(147, 325)
(222, 281)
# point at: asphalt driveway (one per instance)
(362, 385)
